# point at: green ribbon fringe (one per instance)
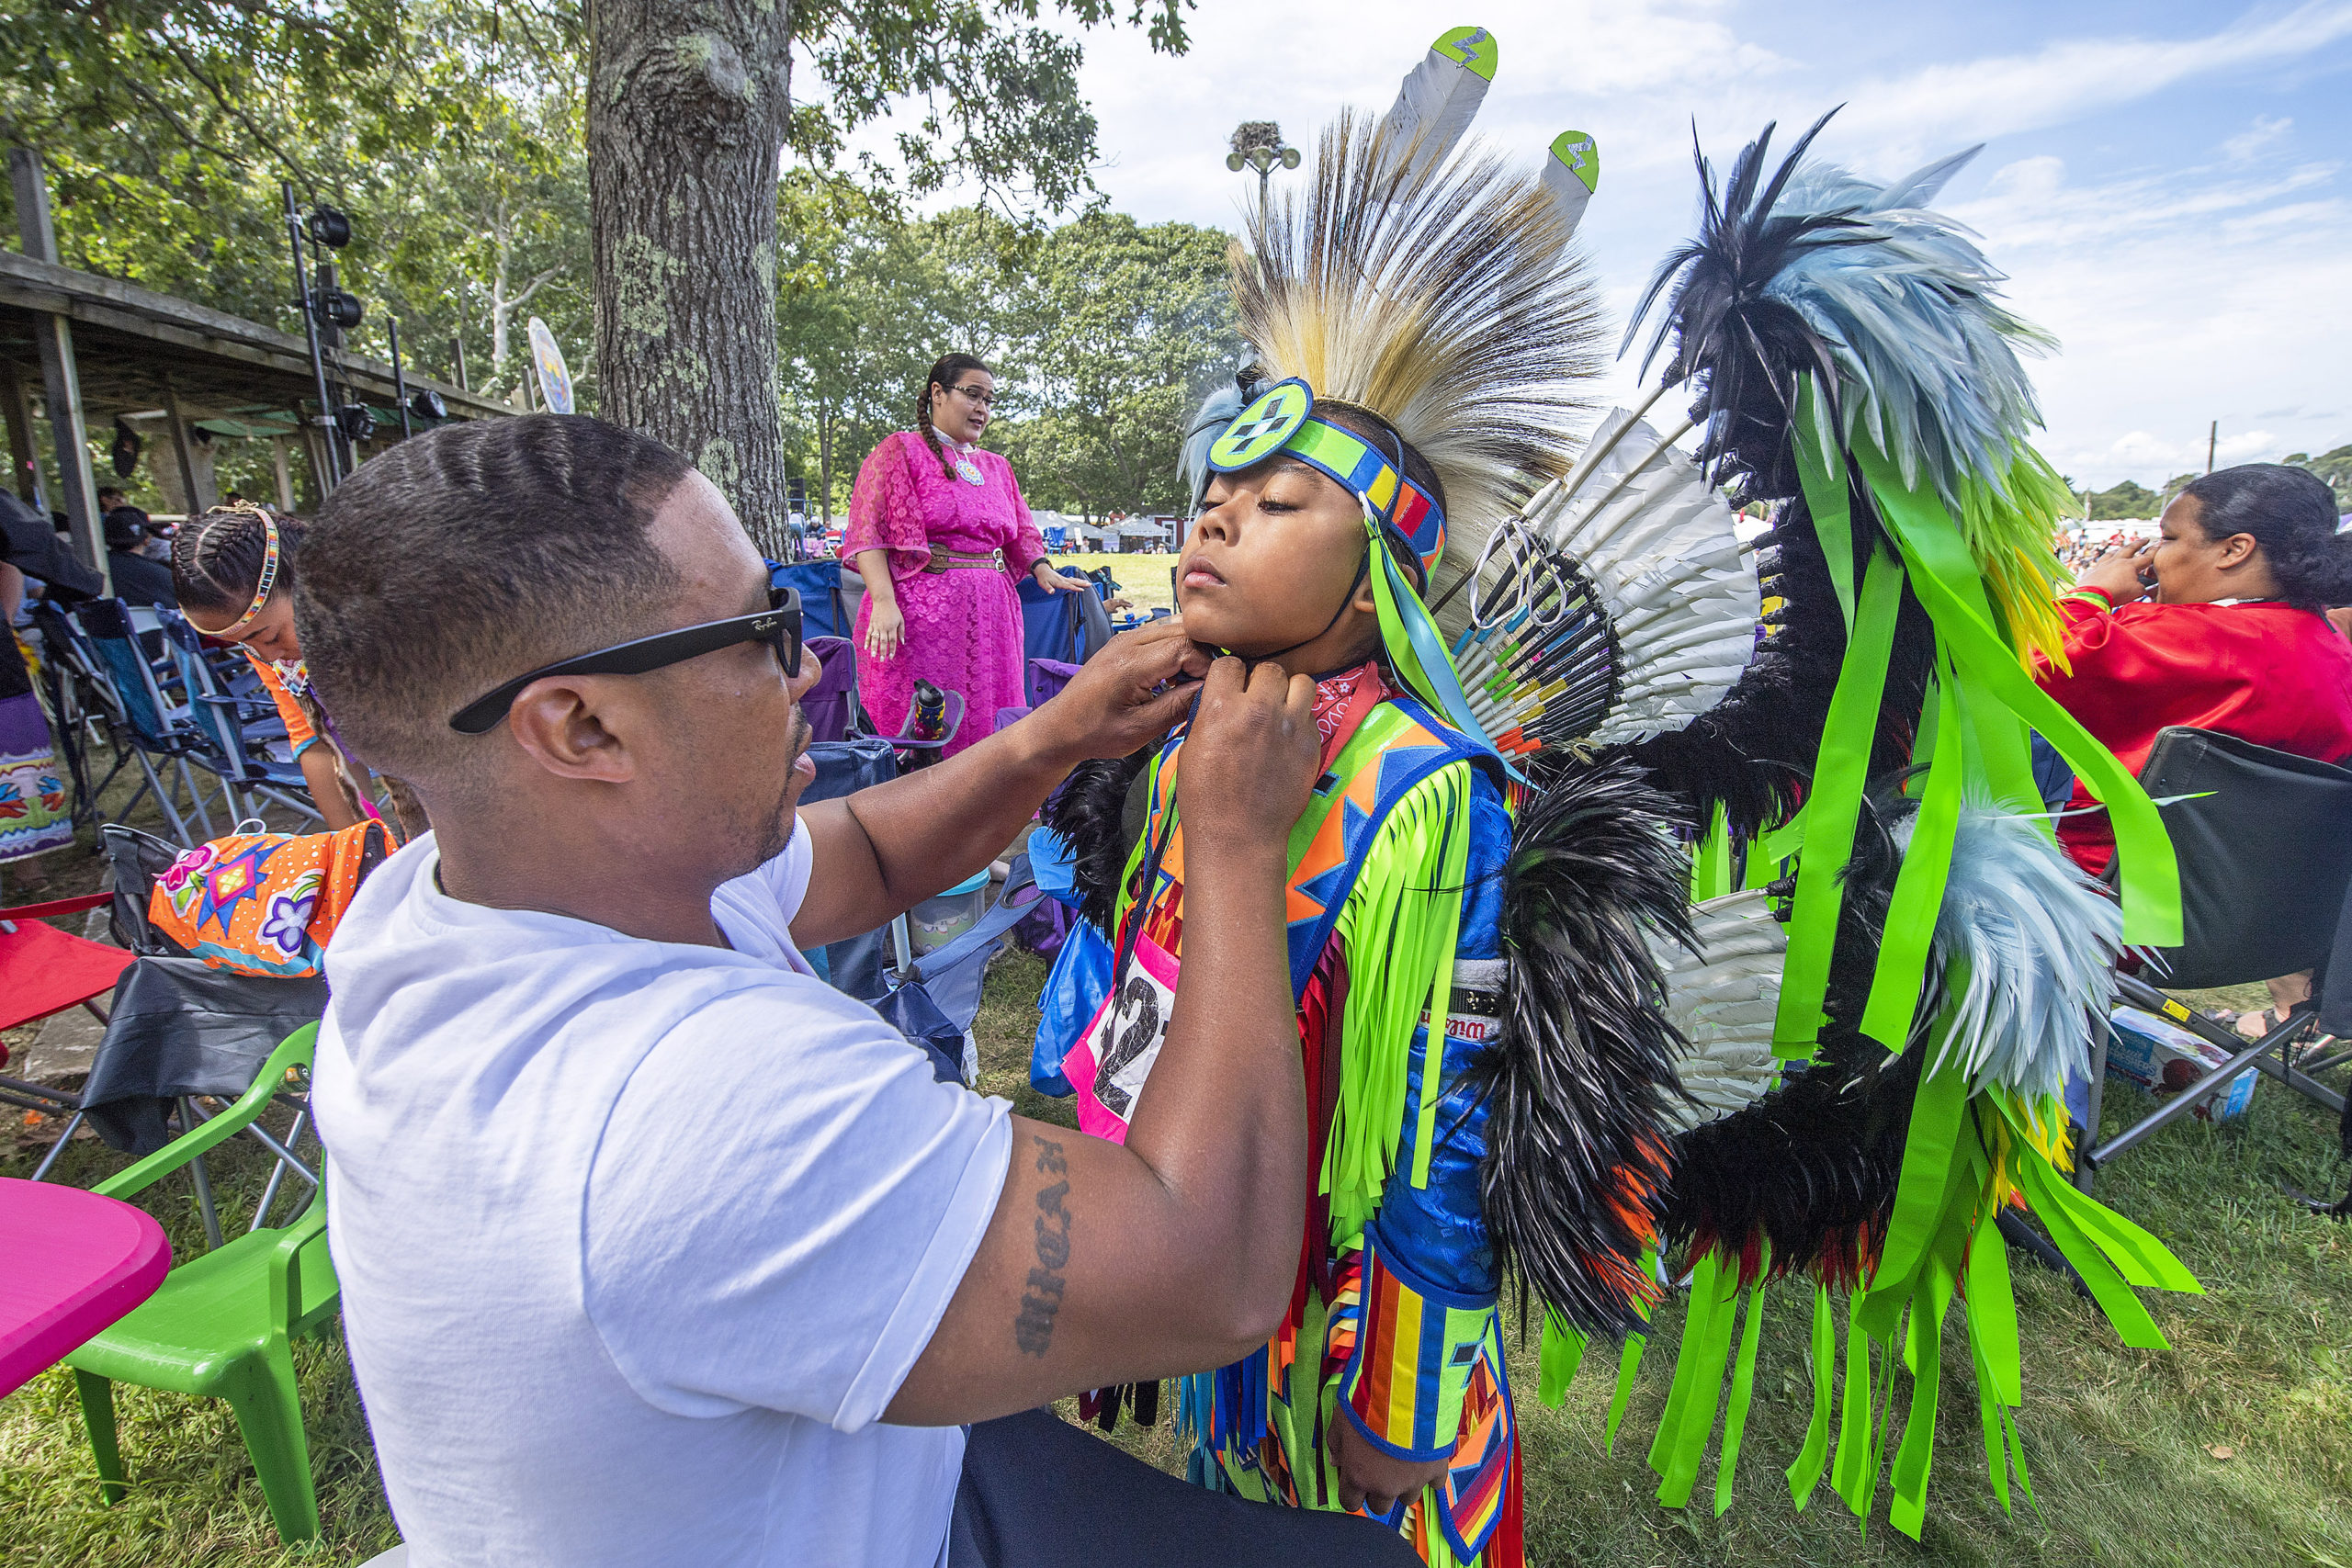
(1400, 927)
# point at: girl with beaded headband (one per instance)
(233, 569)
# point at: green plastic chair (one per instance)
(221, 1323)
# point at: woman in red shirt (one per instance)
(2217, 624)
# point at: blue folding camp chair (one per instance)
(151, 717)
(233, 732)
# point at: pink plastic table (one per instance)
(71, 1263)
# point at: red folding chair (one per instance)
(44, 971)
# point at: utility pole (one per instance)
(61, 380)
(2213, 440)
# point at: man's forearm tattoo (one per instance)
(1033, 1328)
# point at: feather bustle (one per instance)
(1579, 1079)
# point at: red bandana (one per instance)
(1332, 694)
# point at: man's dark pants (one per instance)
(1040, 1493)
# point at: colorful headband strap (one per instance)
(1278, 420)
(268, 575)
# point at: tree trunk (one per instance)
(825, 463)
(686, 114)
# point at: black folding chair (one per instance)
(2265, 844)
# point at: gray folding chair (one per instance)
(2264, 839)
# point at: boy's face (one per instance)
(1270, 557)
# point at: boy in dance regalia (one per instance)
(1487, 1071)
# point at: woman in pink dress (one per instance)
(940, 534)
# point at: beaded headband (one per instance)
(269, 572)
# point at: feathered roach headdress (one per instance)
(1429, 284)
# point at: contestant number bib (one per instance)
(1117, 1051)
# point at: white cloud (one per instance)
(2142, 455)
(2187, 279)
(2264, 131)
(2200, 294)
(2069, 80)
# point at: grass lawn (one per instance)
(1142, 579)
(2234, 1447)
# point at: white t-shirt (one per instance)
(638, 1239)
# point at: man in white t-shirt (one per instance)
(655, 1249)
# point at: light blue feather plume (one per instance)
(1909, 306)
(1218, 411)
(2031, 942)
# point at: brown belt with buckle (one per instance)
(945, 560)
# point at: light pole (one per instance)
(1258, 144)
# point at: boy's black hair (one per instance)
(2291, 514)
(468, 555)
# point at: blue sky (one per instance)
(2165, 183)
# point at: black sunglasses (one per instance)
(778, 625)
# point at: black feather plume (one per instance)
(1578, 1077)
(1087, 812)
(1743, 349)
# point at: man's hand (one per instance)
(1125, 697)
(1370, 1479)
(2117, 573)
(1252, 758)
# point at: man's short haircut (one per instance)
(463, 557)
(2291, 514)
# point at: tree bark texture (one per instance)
(687, 110)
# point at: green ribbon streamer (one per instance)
(1939, 1112)
(1805, 1473)
(2017, 1456)
(1743, 1390)
(1826, 499)
(2140, 1257)
(1909, 1484)
(1697, 1421)
(1629, 1361)
(1989, 1410)
(1833, 805)
(1766, 854)
(1924, 1347)
(1931, 544)
(1559, 1355)
(1686, 1364)
(1911, 915)
(1711, 871)
(1992, 1312)
(1855, 1473)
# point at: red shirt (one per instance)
(2262, 672)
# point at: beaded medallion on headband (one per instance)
(268, 570)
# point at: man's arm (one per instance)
(881, 851)
(1174, 1252)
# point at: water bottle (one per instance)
(931, 712)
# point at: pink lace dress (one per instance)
(964, 629)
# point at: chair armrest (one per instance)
(293, 1051)
(286, 1252)
(72, 906)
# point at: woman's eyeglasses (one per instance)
(980, 395)
(778, 625)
